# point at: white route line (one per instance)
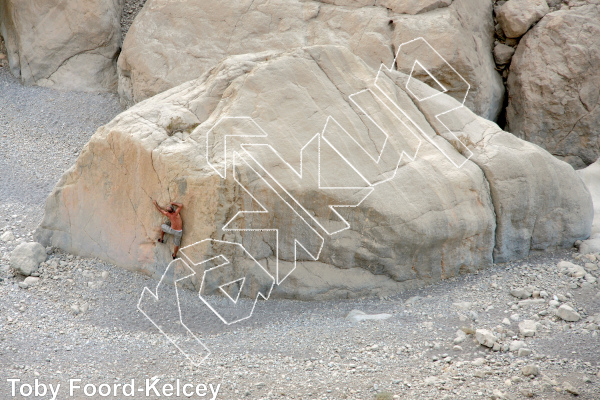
(297, 243)
(156, 298)
(470, 153)
(208, 147)
(319, 186)
(315, 257)
(227, 262)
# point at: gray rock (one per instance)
(524, 352)
(590, 246)
(516, 345)
(503, 53)
(591, 266)
(570, 388)
(549, 57)
(357, 316)
(7, 236)
(26, 257)
(460, 337)
(517, 16)
(31, 280)
(527, 328)
(478, 362)
(521, 293)
(530, 370)
(485, 337)
(73, 45)
(567, 313)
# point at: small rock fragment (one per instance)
(31, 280)
(7, 236)
(516, 345)
(523, 352)
(570, 389)
(567, 313)
(521, 293)
(530, 370)
(527, 328)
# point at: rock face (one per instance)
(429, 219)
(26, 257)
(69, 45)
(463, 34)
(591, 178)
(517, 16)
(507, 163)
(171, 42)
(554, 85)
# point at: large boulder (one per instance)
(554, 85)
(517, 16)
(69, 45)
(463, 34)
(403, 221)
(26, 257)
(171, 42)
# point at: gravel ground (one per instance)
(80, 319)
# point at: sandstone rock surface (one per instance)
(171, 42)
(507, 163)
(517, 16)
(591, 177)
(68, 45)
(432, 218)
(26, 257)
(554, 85)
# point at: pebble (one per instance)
(527, 328)
(524, 352)
(478, 362)
(521, 293)
(570, 388)
(530, 370)
(591, 266)
(31, 280)
(485, 337)
(460, 337)
(516, 345)
(526, 392)
(7, 236)
(567, 313)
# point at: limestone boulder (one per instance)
(171, 42)
(554, 85)
(517, 16)
(68, 45)
(337, 186)
(26, 257)
(463, 35)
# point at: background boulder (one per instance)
(432, 218)
(171, 42)
(554, 85)
(68, 45)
